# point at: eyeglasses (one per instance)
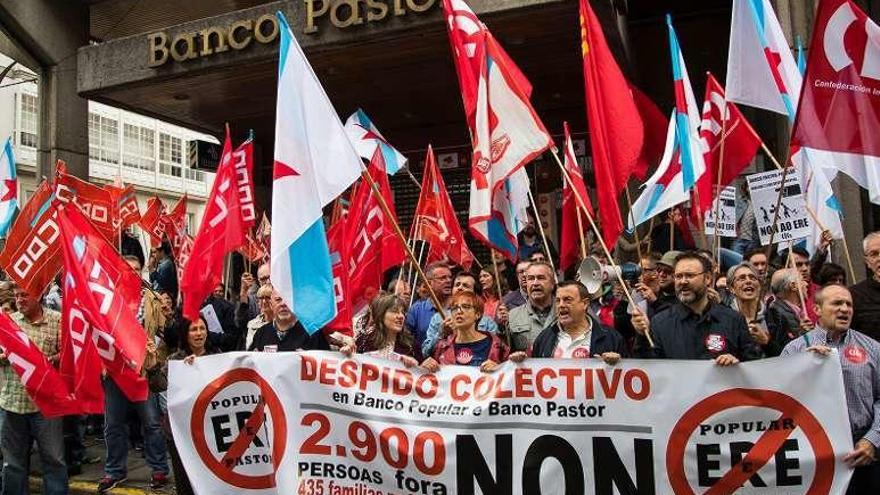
(681, 277)
(461, 307)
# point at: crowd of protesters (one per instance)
(690, 306)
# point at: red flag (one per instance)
(80, 363)
(741, 144)
(229, 216)
(175, 226)
(655, 125)
(572, 219)
(373, 245)
(96, 203)
(839, 106)
(435, 220)
(253, 250)
(43, 383)
(339, 256)
(126, 211)
(617, 132)
(153, 220)
(31, 256)
(108, 290)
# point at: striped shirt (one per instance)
(860, 359)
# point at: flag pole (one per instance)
(541, 230)
(402, 238)
(776, 210)
(790, 264)
(415, 275)
(498, 287)
(671, 233)
(611, 261)
(581, 233)
(716, 239)
(629, 203)
(412, 177)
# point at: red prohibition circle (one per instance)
(764, 448)
(279, 429)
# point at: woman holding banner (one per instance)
(194, 344)
(466, 345)
(384, 335)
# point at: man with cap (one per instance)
(655, 286)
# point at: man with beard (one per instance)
(418, 318)
(695, 328)
(285, 332)
(530, 319)
(530, 241)
(858, 355)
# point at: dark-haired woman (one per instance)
(384, 335)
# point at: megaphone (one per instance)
(590, 274)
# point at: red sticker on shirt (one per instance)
(716, 343)
(464, 356)
(855, 354)
(580, 353)
(557, 353)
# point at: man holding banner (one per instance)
(859, 356)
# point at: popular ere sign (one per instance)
(317, 423)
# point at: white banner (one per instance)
(792, 222)
(317, 423)
(726, 213)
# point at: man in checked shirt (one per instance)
(860, 359)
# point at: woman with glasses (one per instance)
(744, 283)
(264, 303)
(383, 335)
(466, 345)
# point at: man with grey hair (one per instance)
(858, 355)
(866, 294)
(785, 317)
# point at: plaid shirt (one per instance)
(46, 335)
(860, 359)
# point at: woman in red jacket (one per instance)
(466, 345)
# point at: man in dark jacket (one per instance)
(785, 319)
(286, 333)
(576, 334)
(866, 294)
(695, 328)
(163, 273)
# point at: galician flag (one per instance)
(314, 163)
(8, 187)
(365, 137)
(687, 116)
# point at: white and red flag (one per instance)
(229, 215)
(372, 244)
(126, 210)
(80, 363)
(435, 221)
(108, 291)
(339, 258)
(741, 144)
(506, 133)
(574, 225)
(175, 225)
(153, 220)
(31, 255)
(43, 383)
(96, 203)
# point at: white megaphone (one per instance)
(590, 274)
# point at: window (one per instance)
(196, 175)
(27, 124)
(138, 147)
(103, 138)
(170, 155)
(190, 222)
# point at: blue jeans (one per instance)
(116, 408)
(18, 434)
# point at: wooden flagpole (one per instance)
(581, 234)
(541, 230)
(716, 239)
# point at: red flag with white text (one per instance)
(80, 365)
(96, 203)
(572, 215)
(31, 255)
(126, 211)
(372, 242)
(435, 221)
(175, 225)
(339, 257)
(229, 216)
(43, 383)
(153, 220)
(108, 290)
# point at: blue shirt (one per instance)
(417, 320)
(432, 336)
(473, 353)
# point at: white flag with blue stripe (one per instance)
(8, 187)
(314, 163)
(365, 137)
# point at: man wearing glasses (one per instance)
(866, 294)
(694, 327)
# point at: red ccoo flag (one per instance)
(435, 221)
(229, 216)
(31, 256)
(372, 243)
(126, 211)
(617, 132)
(108, 290)
(339, 257)
(741, 144)
(153, 220)
(175, 226)
(43, 383)
(572, 219)
(96, 203)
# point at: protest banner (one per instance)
(792, 221)
(320, 423)
(726, 214)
